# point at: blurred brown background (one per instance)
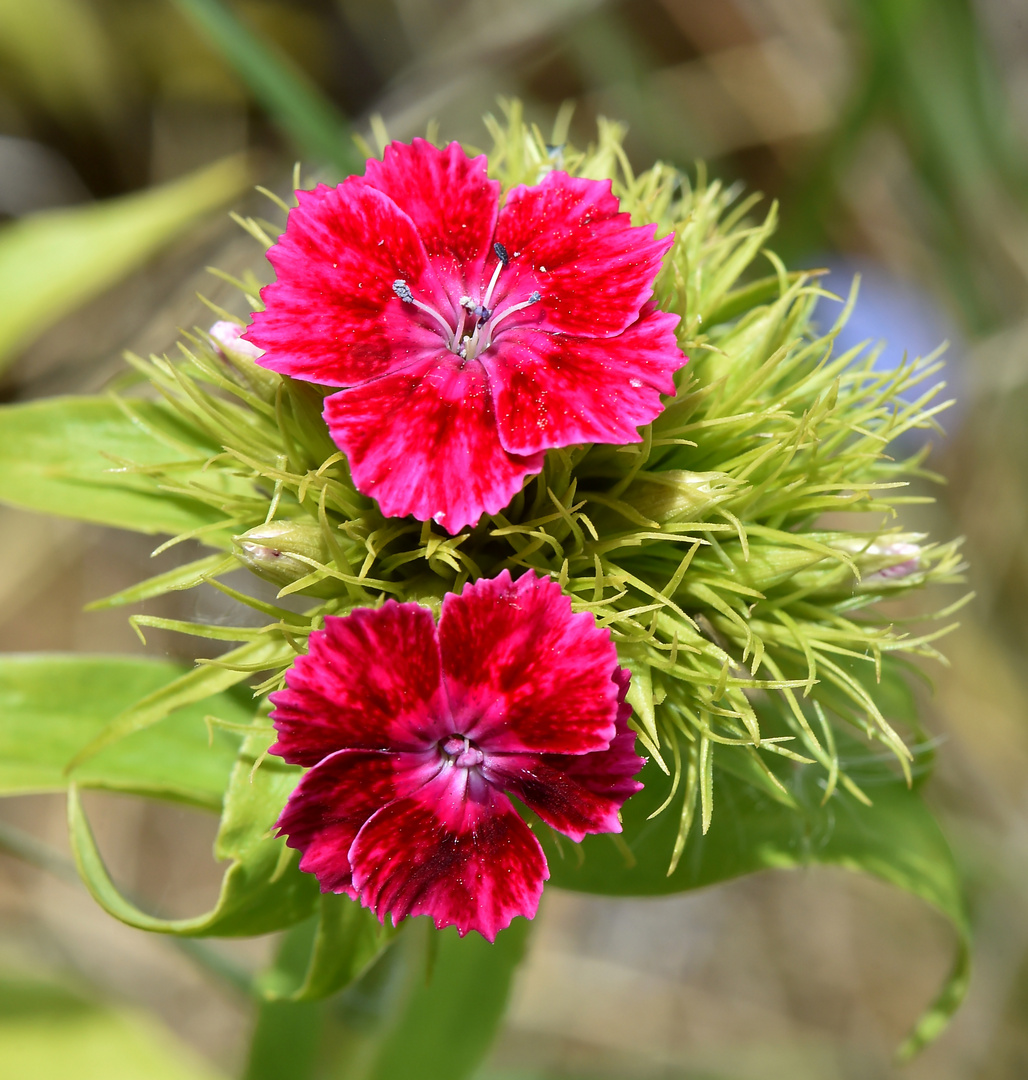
(895, 133)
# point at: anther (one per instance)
(402, 290)
(480, 311)
(501, 253)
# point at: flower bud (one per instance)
(888, 559)
(678, 494)
(891, 558)
(271, 551)
(227, 337)
(768, 565)
(240, 356)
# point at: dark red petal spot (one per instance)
(575, 793)
(331, 316)
(370, 681)
(569, 240)
(462, 856)
(524, 674)
(451, 201)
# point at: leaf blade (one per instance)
(52, 262)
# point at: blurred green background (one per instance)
(895, 134)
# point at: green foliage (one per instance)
(262, 889)
(348, 939)
(712, 550)
(53, 706)
(68, 456)
(52, 262)
(777, 821)
(448, 1014)
(49, 1031)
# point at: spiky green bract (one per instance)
(705, 548)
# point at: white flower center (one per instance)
(468, 342)
(462, 752)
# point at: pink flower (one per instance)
(415, 732)
(471, 338)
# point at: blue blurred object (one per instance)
(900, 314)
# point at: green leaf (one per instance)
(181, 577)
(262, 890)
(293, 101)
(896, 839)
(53, 705)
(444, 1025)
(348, 940)
(286, 1036)
(59, 456)
(195, 685)
(52, 262)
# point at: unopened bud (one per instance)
(285, 551)
(239, 355)
(678, 494)
(891, 558)
(227, 336)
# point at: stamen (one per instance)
(402, 290)
(503, 255)
(533, 299)
(478, 310)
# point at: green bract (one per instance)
(765, 679)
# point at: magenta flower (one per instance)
(471, 338)
(415, 733)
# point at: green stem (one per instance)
(287, 1036)
(443, 1019)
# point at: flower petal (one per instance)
(424, 442)
(331, 316)
(455, 850)
(524, 674)
(575, 794)
(369, 681)
(451, 201)
(330, 804)
(556, 390)
(567, 239)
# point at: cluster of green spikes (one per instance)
(739, 553)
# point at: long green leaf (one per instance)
(51, 706)
(195, 685)
(285, 1041)
(262, 890)
(58, 456)
(52, 262)
(291, 98)
(348, 940)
